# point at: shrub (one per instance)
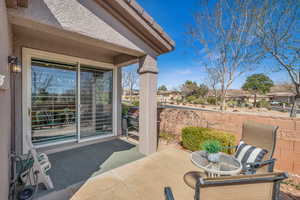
(212, 100)
(249, 105)
(125, 109)
(193, 138)
(169, 137)
(190, 99)
(263, 104)
(199, 101)
(135, 103)
(179, 101)
(211, 146)
(232, 103)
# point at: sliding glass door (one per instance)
(53, 101)
(95, 102)
(69, 102)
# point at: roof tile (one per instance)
(144, 15)
(148, 18)
(136, 7)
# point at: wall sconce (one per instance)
(14, 66)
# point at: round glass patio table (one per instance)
(227, 166)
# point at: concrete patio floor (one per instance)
(142, 179)
(71, 168)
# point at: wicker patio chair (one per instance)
(243, 187)
(262, 136)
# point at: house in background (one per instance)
(168, 96)
(281, 97)
(244, 96)
(134, 96)
(62, 65)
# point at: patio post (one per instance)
(148, 105)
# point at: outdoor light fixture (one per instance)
(14, 66)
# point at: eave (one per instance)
(137, 20)
(131, 15)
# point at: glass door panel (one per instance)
(53, 101)
(95, 102)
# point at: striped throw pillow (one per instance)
(246, 153)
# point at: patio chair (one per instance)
(246, 187)
(40, 167)
(262, 136)
(130, 123)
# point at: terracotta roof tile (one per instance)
(140, 10)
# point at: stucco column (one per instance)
(118, 93)
(148, 105)
(5, 101)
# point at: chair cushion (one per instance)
(246, 153)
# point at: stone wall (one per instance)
(288, 137)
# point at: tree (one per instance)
(203, 90)
(222, 34)
(162, 88)
(258, 84)
(213, 80)
(129, 81)
(191, 88)
(278, 32)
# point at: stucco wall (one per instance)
(288, 137)
(24, 37)
(5, 99)
(85, 17)
(76, 28)
(50, 43)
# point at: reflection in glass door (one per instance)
(53, 101)
(69, 102)
(95, 102)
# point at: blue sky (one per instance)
(181, 64)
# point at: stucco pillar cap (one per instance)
(147, 64)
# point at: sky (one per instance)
(182, 64)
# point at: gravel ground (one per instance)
(254, 111)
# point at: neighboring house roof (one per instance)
(241, 93)
(286, 87)
(168, 92)
(238, 93)
(281, 94)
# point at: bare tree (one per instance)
(223, 31)
(213, 80)
(129, 81)
(278, 25)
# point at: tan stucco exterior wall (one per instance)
(65, 27)
(49, 43)
(24, 37)
(81, 28)
(84, 17)
(5, 99)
